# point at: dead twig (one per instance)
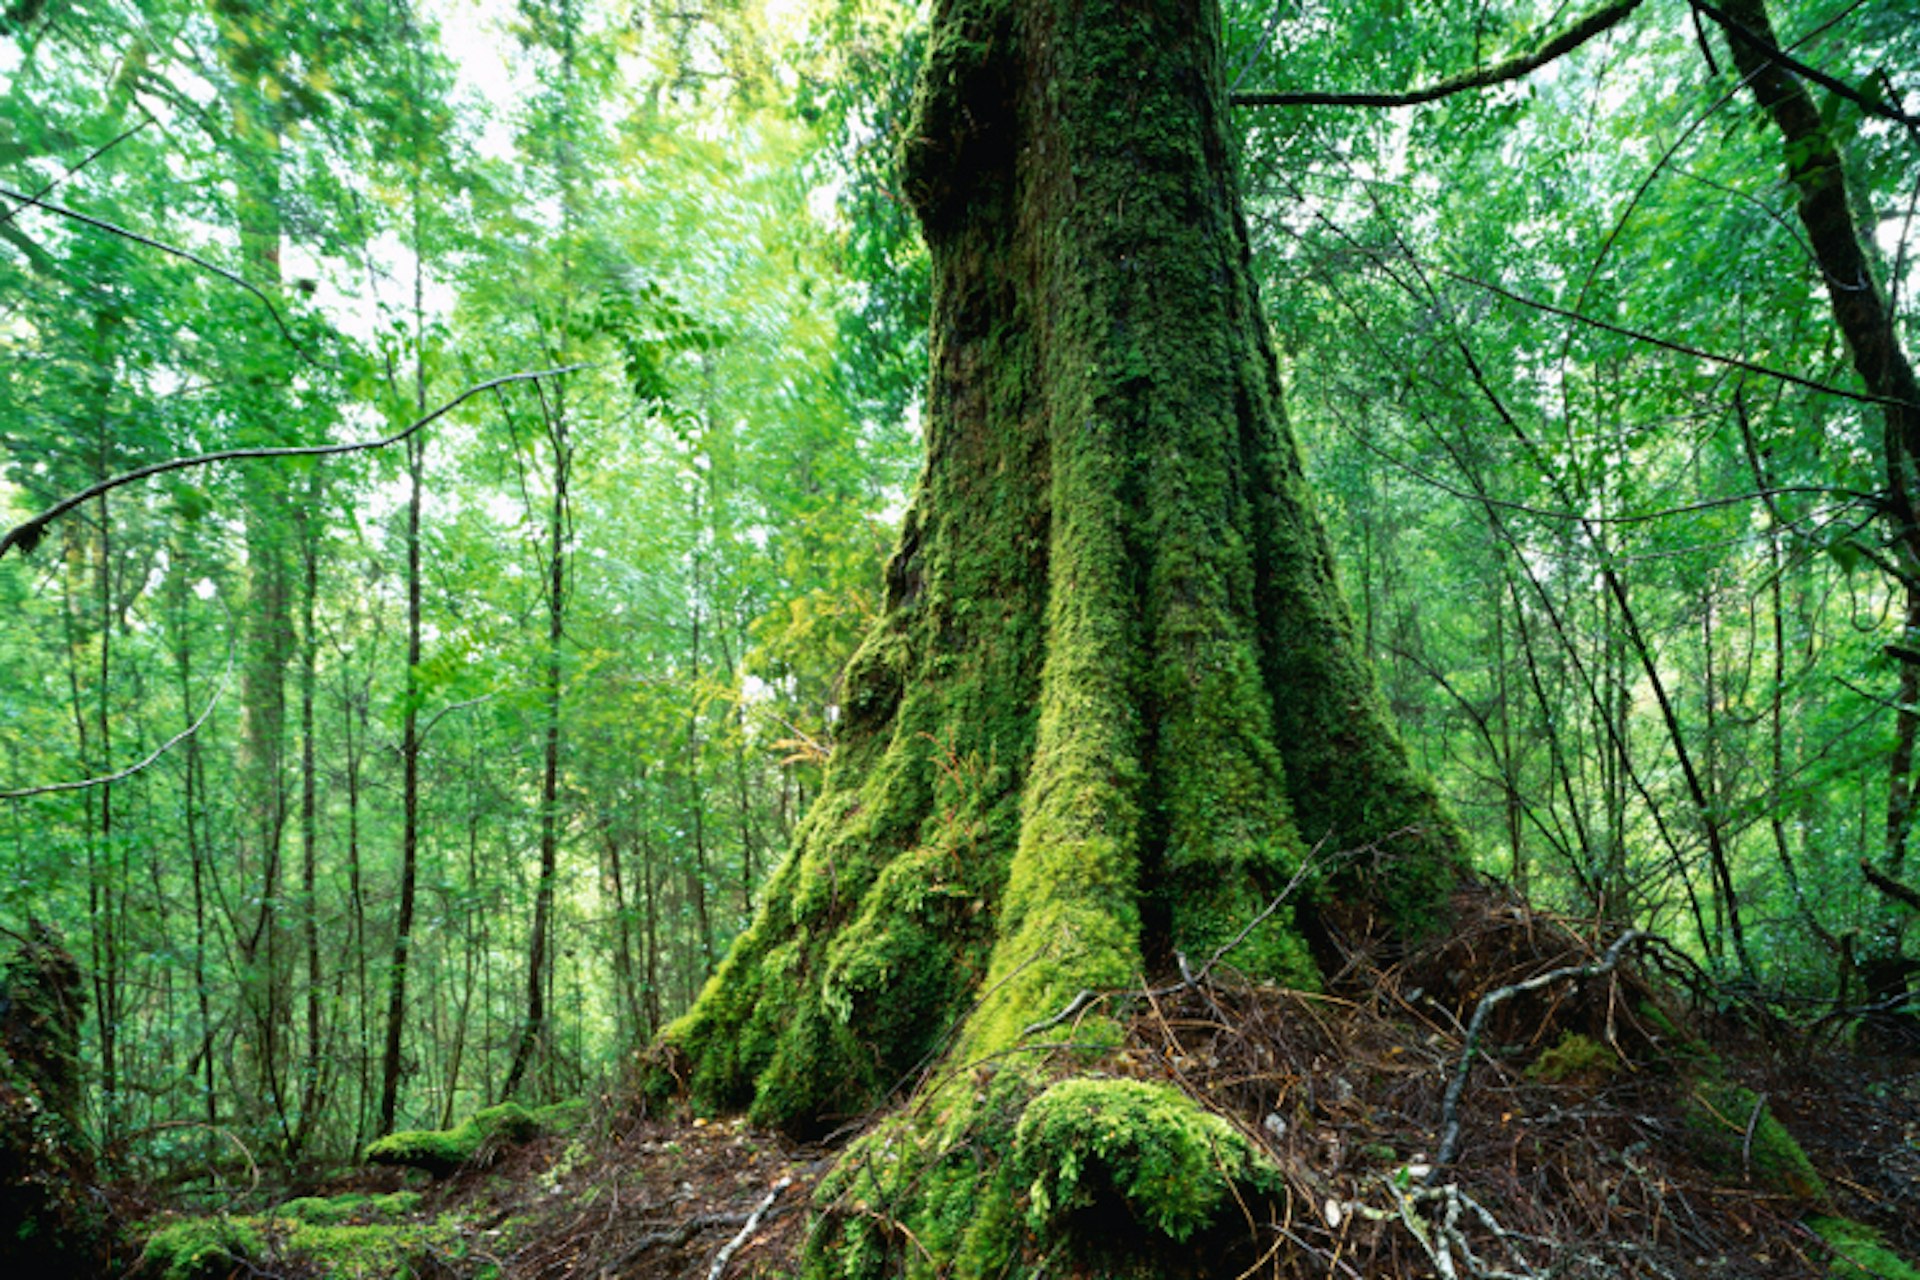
(721, 1259)
(1450, 1107)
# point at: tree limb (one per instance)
(1679, 348)
(721, 1259)
(114, 229)
(161, 750)
(1514, 68)
(1767, 49)
(1888, 885)
(1450, 1106)
(91, 156)
(27, 534)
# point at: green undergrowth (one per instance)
(442, 1151)
(1859, 1253)
(1720, 1115)
(325, 1235)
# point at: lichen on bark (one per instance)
(1115, 696)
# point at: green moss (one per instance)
(441, 1151)
(1859, 1253)
(1172, 1165)
(201, 1249)
(311, 1231)
(374, 1252)
(1717, 1114)
(1575, 1059)
(999, 1171)
(333, 1210)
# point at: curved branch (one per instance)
(27, 534)
(1680, 348)
(93, 155)
(115, 229)
(1450, 1106)
(178, 738)
(1514, 68)
(1766, 48)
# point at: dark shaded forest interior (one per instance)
(1045, 637)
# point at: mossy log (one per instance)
(444, 1151)
(1115, 696)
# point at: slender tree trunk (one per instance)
(1861, 312)
(536, 1034)
(353, 712)
(391, 1059)
(697, 877)
(312, 1088)
(190, 816)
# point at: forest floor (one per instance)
(1596, 1139)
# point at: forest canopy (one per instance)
(468, 474)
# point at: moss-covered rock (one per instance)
(313, 1234)
(442, 1151)
(330, 1211)
(1575, 1059)
(1171, 1165)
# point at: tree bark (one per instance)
(1115, 697)
(1114, 702)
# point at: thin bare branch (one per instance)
(27, 534)
(1514, 68)
(86, 784)
(115, 229)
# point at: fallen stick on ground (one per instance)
(721, 1259)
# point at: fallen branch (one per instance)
(1450, 1107)
(676, 1236)
(721, 1259)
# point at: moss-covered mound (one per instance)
(333, 1211)
(217, 1247)
(475, 1140)
(1002, 1172)
(201, 1249)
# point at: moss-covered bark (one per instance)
(1115, 695)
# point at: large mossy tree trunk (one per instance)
(1115, 697)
